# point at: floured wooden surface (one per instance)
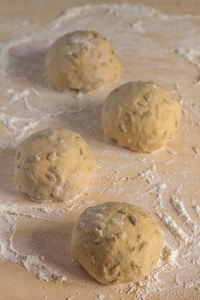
(151, 46)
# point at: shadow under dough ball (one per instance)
(53, 164)
(116, 242)
(81, 60)
(140, 116)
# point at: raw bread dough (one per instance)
(53, 164)
(116, 242)
(81, 60)
(140, 116)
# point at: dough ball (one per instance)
(53, 164)
(116, 242)
(81, 60)
(141, 116)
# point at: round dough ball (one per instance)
(140, 116)
(81, 60)
(53, 164)
(116, 242)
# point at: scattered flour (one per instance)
(181, 211)
(69, 14)
(99, 297)
(148, 174)
(19, 95)
(196, 208)
(5, 48)
(80, 41)
(170, 256)
(30, 262)
(138, 27)
(140, 17)
(172, 226)
(17, 125)
(192, 55)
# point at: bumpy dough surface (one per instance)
(116, 242)
(81, 60)
(53, 164)
(140, 116)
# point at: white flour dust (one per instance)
(151, 46)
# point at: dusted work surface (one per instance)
(151, 45)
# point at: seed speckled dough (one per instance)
(141, 116)
(116, 242)
(81, 60)
(53, 164)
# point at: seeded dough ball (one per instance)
(81, 60)
(116, 242)
(140, 116)
(53, 164)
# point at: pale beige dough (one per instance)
(81, 60)
(141, 116)
(116, 242)
(53, 164)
